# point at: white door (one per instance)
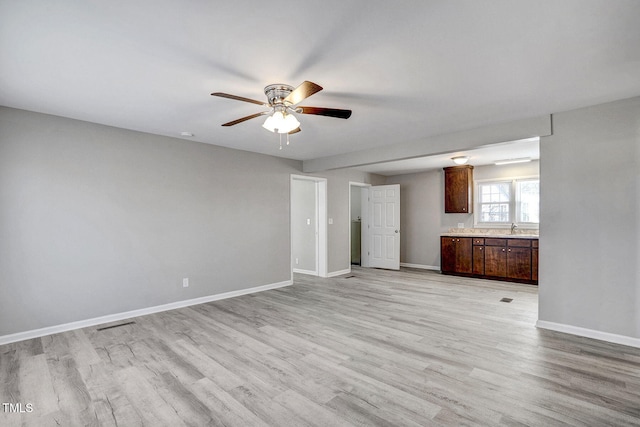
(384, 226)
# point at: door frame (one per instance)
(364, 235)
(321, 225)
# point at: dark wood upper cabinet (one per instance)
(458, 189)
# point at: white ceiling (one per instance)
(408, 70)
(486, 155)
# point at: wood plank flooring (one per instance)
(373, 348)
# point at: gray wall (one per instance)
(338, 189)
(303, 235)
(422, 216)
(96, 220)
(590, 207)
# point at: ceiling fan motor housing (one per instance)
(276, 93)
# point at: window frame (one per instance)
(514, 203)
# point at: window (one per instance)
(528, 201)
(503, 202)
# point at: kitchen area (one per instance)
(479, 219)
(500, 254)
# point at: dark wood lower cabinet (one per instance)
(495, 261)
(512, 259)
(534, 260)
(455, 255)
(478, 260)
(519, 263)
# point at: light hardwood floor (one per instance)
(413, 348)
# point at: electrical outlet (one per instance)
(185, 282)
(297, 261)
(330, 221)
(308, 221)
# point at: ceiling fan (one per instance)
(282, 101)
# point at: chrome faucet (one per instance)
(513, 227)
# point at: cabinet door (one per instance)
(463, 255)
(458, 188)
(478, 260)
(447, 254)
(495, 261)
(519, 263)
(534, 264)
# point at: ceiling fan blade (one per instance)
(305, 90)
(320, 111)
(244, 119)
(296, 130)
(238, 98)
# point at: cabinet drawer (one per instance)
(495, 242)
(478, 240)
(519, 243)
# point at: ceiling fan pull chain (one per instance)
(280, 140)
(287, 139)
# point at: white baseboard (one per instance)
(424, 267)
(589, 333)
(339, 273)
(301, 271)
(36, 333)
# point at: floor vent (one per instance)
(506, 300)
(116, 326)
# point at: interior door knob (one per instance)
(397, 231)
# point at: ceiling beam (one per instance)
(457, 141)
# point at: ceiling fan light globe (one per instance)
(269, 124)
(290, 123)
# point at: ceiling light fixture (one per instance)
(510, 161)
(281, 122)
(283, 100)
(460, 160)
(188, 134)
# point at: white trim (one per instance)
(37, 333)
(423, 267)
(589, 333)
(323, 235)
(339, 273)
(322, 251)
(301, 271)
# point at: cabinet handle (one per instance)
(509, 250)
(481, 248)
(503, 250)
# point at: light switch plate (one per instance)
(330, 221)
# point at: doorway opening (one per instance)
(308, 219)
(374, 213)
(358, 196)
